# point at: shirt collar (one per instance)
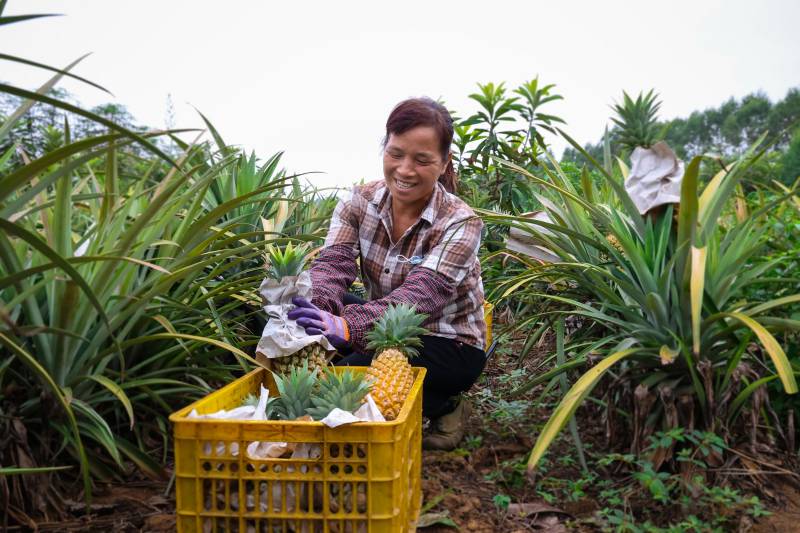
(382, 201)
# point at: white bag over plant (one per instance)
(655, 177)
(282, 337)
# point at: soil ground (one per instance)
(480, 487)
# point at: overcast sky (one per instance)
(317, 79)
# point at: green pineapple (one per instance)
(285, 262)
(289, 262)
(252, 400)
(295, 388)
(345, 390)
(637, 120)
(394, 338)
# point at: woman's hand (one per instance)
(318, 322)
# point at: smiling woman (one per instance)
(417, 244)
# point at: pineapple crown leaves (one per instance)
(270, 411)
(398, 328)
(295, 390)
(287, 261)
(345, 390)
(637, 120)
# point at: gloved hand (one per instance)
(319, 322)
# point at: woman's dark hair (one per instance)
(414, 112)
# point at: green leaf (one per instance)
(572, 399)
(770, 344)
(86, 114)
(34, 365)
(16, 471)
(117, 391)
(54, 69)
(143, 461)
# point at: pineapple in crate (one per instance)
(285, 345)
(395, 339)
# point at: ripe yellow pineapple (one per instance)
(614, 241)
(394, 338)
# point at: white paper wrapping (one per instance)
(655, 177)
(282, 337)
(368, 412)
(527, 243)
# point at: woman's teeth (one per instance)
(403, 185)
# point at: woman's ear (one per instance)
(447, 161)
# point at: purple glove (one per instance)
(319, 322)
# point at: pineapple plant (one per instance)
(283, 263)
(345, 390)
(656, 173)
(395, 339)
(296, 388)
(636, 120)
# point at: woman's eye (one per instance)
(395, 156)
(423, 162)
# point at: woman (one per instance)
(418, 244)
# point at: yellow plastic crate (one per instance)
(487, 315)
(362, 477)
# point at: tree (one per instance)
(791, 160)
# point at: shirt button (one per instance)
(385, 270)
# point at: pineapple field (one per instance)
(641, 374)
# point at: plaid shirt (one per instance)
(433, 266)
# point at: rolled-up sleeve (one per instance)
(436, 288)
(335, 268)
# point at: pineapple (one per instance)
(614, 242)
(655, 175)
(295, 388)
(252, 401)
(637, 120)
(289, 262)
(345, 390)
(394, 338)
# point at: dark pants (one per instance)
(452, 368)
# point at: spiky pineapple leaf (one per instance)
(399, 328)
(287, 261)
(636, 120)
(345, 390)
(295, 390)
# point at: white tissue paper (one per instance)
(527, 242)
(368, 412)
(655, 177)
(282, 337)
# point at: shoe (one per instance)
(448, 430)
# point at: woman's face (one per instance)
(412, 164)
